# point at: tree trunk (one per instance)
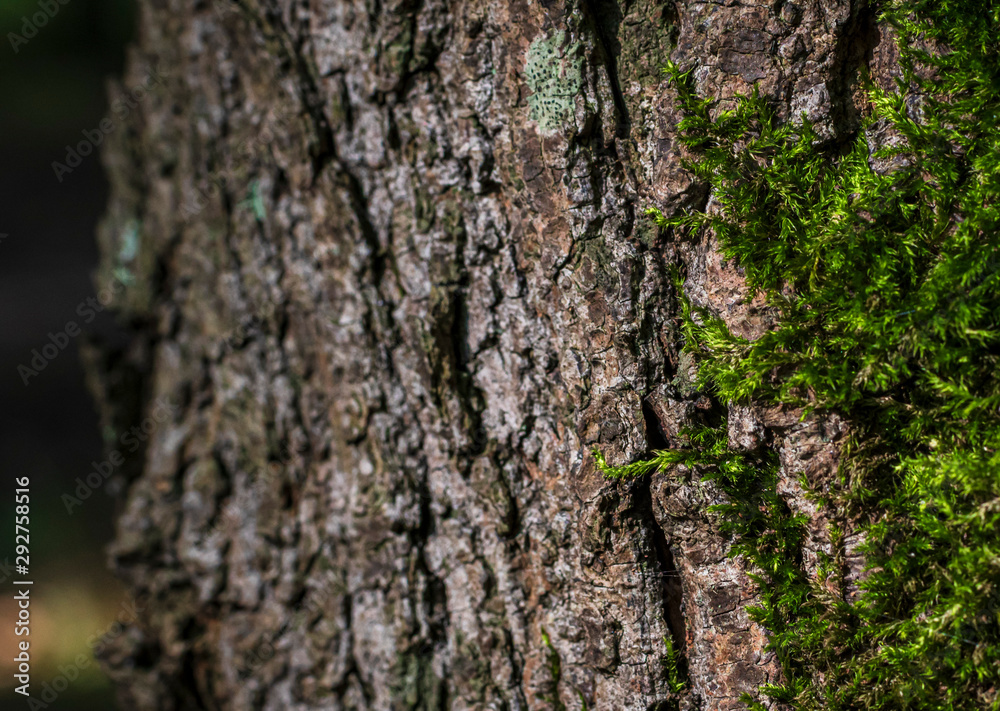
(389, 280)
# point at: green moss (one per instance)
(554, 73)
(555, 671)
(887, 288)
(673, 663)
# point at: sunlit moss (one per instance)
(887, 291)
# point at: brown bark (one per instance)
(393, 272)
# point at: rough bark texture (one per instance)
(388, 262)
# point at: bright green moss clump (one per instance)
(888, 290)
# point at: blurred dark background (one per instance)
(52, 88)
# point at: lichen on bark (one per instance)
(553, 73)
(419, 308)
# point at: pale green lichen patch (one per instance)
(130, 242)
(123, 275)
(554, 73)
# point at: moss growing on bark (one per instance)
(887, 288)
(555, 671)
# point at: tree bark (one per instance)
(386, 263)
